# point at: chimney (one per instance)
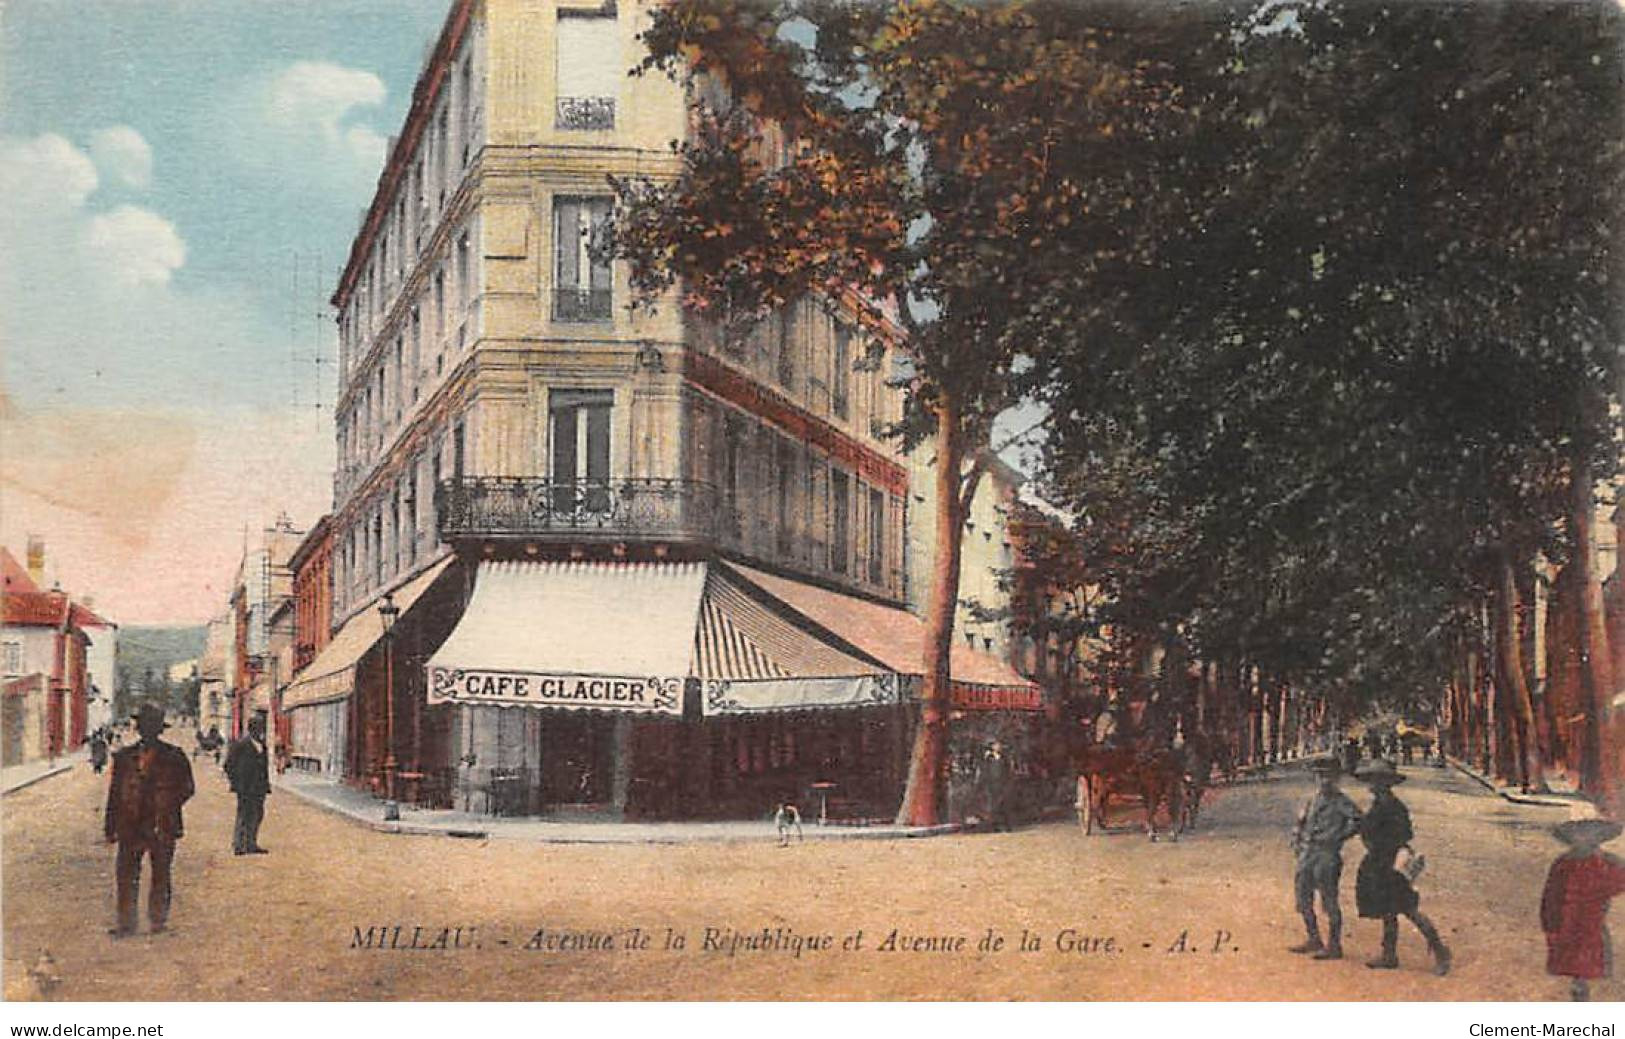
(36, 559)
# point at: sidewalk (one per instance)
(1553, 799)
(16, 777)
(366, 810)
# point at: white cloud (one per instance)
(45, 171)
(308, 121)
(122, 153)
(91, 313)
(134, 246)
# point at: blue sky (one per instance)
(245, 191)
(165, 165)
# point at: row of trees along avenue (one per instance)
(1321, 300)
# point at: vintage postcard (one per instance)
(661, 500)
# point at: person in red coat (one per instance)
(1574, 905)
(151, 781)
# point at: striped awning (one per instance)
(894, 638)
(754, 656)
(628, 636)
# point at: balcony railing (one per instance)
(494, 506)
(582, 304)
(584, 113)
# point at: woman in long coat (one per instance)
(1382, 892)
(1574, 905)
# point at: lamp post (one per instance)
(387, 612)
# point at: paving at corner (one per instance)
(1107, 913)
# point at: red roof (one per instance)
(35, 609)
(16, 578)
(85, 617)
(894, 637)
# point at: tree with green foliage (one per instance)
(1373, 371)
(953, 165)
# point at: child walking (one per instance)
(1574, 905)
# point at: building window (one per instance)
(434, 490)
(440, 304)
(840, 532)
(877, 535)
(459, 448)
(841, 377)
(578, 423)
(409, 510)
(786, 502)
(11, 657)
(417, 350)
(581, 275)
(395, 535)
(787, 349)
(442, 144)
(378, 548)
(589, 71)
(464, 272)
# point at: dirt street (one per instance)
(1107, 917)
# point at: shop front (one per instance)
(652, 690)
(327, 724)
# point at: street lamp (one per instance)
(387, 612)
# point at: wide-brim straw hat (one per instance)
(1586, 828)
(1587, 832)
(1381, 773)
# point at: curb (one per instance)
(496, 833)
(1509, 794)
(66, 766)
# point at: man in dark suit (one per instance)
(151, 781)
(248, 768)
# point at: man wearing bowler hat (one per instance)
(151, 781)
(248, 769)
(1326, 822)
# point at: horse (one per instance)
(1145, 768)
(1200, 754)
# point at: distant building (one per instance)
(264, 582)
(317, 713)
(52, 650)
(214, 676)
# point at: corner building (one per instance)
(584, 560)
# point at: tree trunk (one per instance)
(923, 794)
(1255, 720)
(1596, 666)
(1483, 712)
(1513, 678)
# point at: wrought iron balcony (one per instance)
(584, 113)
(583, 304)
(496, 506)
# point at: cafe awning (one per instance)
(627, 636)
(331, 676)
(896, 638)
(576, 636)
(755, 656)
